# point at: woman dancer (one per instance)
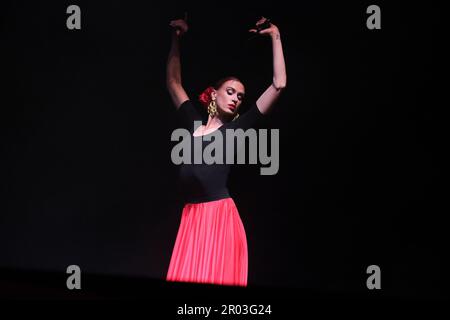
(211, 244)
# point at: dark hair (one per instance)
(220, 82)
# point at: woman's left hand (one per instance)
(272, 30)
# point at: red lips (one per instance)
(232, 106)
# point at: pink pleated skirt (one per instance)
(211, 245)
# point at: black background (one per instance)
(87, 177)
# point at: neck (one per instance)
(214, 122)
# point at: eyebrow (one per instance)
(242, 93)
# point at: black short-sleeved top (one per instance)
(208, 182)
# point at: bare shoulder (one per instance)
(199, 131)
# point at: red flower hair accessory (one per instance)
(205, 96)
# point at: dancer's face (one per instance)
(229, 97)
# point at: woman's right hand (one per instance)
(180, 25)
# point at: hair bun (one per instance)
(205, 96)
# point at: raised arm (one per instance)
(173, 71)
(267, 99)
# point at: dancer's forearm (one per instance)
(279, 67)
(268, 98)
(173, 71)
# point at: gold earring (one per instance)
(212, 108)
(236, 116)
